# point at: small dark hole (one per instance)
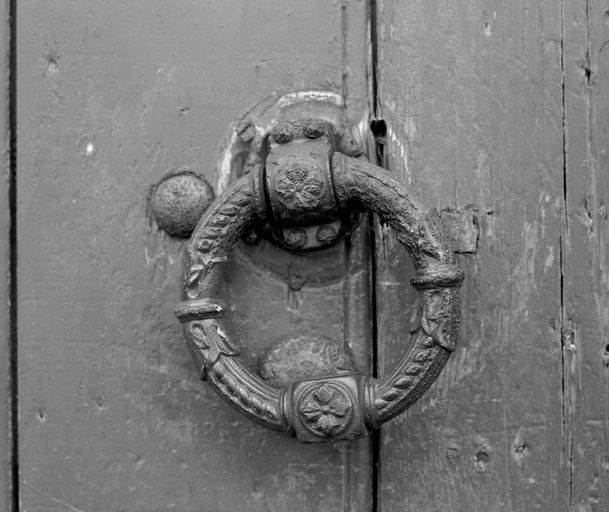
(482, 456)
(588, 73)
(378, 127)
(520, 448)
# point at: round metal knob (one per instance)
(178, 201)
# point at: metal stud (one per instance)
(178, 201)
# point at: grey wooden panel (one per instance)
(585, 244)
(5, 269)
(472, 95)
(112, 95)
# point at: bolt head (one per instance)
(295, 238)
(326, 234)
(178, 201)
(314, 128)
(282, 133)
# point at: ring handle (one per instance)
(335, 407)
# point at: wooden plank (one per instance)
(6, 457)
(585, 258)
(471, 92)
(112, 95)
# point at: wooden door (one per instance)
(495, 112)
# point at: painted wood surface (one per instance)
(585, 254)
(112, 95)
(472, 93)
(494, 108)
(6, 502)
(502, 107)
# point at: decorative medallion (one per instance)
(326, 410)
(298, 183)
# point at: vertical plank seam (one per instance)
(565, 330)
(375, 437)
(373, 20)
(343, 56)
(11, 100)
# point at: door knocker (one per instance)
(305, 173)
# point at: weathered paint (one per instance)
(472, 92)
(584, 253)
(112, 96)
(492, 107)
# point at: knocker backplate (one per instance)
(265, 245)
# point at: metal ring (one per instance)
(329, 408)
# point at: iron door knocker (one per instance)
(299, 173)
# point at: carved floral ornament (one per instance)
(334, 407)
(296, 184)
(326, 410)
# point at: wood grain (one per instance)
(472, 96)
(113, 95)
(585, 321)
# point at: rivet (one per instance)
(314, 128)
(282, 134)
(295, 238)
(178, 201)
(296, 283)
(325, 234)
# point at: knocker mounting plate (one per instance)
(316, 121)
